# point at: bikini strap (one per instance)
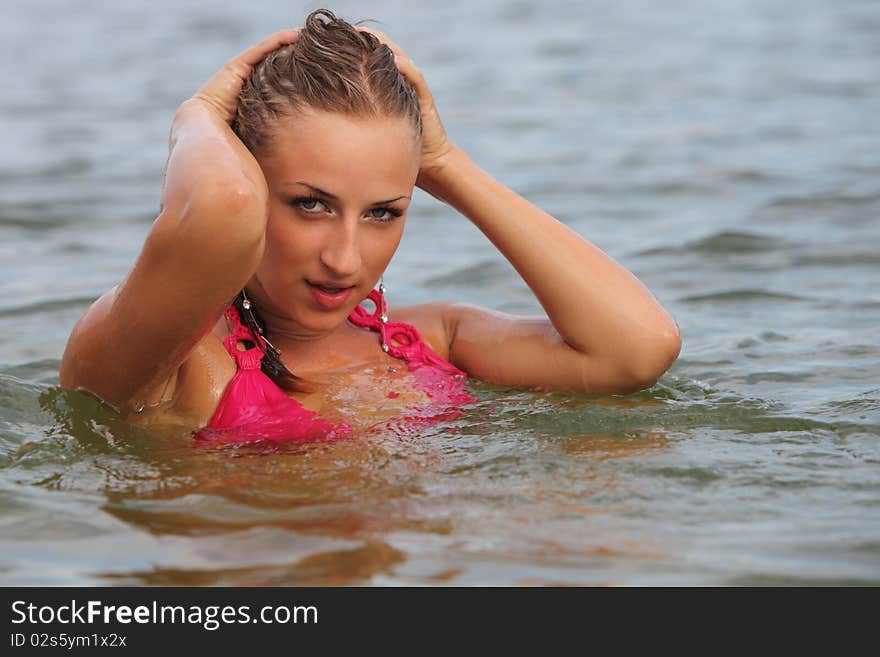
(250, 358)
(404, 340)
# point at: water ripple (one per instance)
(743, 296)
(48, 306)
(743, 192)
(723, 242)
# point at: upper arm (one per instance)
(528, 352)
(200, 251)
(133, 339)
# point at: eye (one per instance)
(384, 214)
(309, 205)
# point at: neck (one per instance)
(300, 347)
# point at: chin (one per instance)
(320, 321)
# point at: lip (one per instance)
(329, 301)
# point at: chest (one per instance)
(369, 391)
(355, 382)
(367, 394)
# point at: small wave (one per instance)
(752, 176)
(686, 362)
(773, 336)
(736, 296)
(865, 305)
(15, 220)
(863, 407)
(846, 258)
(39, 372)
(736, 242)
(682, 389)
(859, 350)
(778, 377)
(822, 201)
(478, 274)
(675, 188)
(18, 396)
(322, 567)
(51, 171)
(693, 475)
(75, 247)
(724, 242)
(46, 306)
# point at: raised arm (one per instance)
(604, 331)
(200, 251)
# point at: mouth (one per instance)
(329, 294)
(328, 289)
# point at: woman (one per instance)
(287, 186)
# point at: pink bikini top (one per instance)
(254, 408)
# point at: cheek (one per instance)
(381, 246)
(286, 242)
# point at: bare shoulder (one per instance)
(202, 379)
(433, 321)
(441, 323)
(188, 392)
(85, 339)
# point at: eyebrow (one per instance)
(321, 192)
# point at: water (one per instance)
(726, 152)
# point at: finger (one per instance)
(406, 65)
(256, 53)
(222, 90)
(383, 38)
(409, 70)
(242, 63)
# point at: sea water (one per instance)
(728, 153)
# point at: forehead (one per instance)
(338, 152)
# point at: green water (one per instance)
(727, 153)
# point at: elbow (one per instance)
(629, 366)
(232, 197)
(654, 358)
(231, 208)
(640, 366)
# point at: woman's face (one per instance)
(339, 190)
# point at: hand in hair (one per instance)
(436, 146)
(203, 124)
(222, 90)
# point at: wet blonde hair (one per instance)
(333, 67)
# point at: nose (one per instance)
(341, 254)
